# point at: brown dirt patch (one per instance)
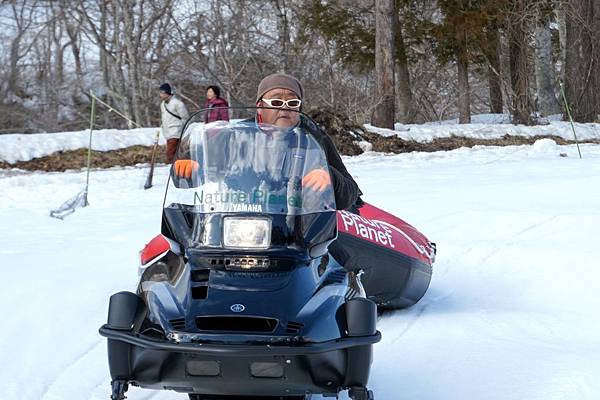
(395, 144)
(77, 159)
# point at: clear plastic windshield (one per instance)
(242, 166)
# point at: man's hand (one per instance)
(184, 168)
(317, 179)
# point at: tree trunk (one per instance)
(581, 64)
(404, 92)
(519, 63)
(12, 85)
(103, 43)
(494, 70)
(131, 49)
(73, 34)
(284, 34)
(385, 17)
(462, 62)
(545, 76)
(119, 86)
(59, 60)
(561, 17)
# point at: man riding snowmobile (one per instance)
(281, 95)
(238, 296)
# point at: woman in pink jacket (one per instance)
(214, 101)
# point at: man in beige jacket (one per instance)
(173, 115)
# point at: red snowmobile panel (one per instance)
(154, 248)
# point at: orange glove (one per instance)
(317, 179)
(184, 168)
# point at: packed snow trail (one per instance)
(511, 312)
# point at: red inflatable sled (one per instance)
(396, 258)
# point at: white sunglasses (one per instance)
(279, 103)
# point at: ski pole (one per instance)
(562, 91)
(150, 176)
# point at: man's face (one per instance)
(283, 118)
(163, 95)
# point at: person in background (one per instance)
(216, 104)
(173, 114)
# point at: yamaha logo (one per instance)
(237, 307)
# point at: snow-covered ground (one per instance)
(488, 126)
(511, 314)
(24, 147)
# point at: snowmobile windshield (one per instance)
(249, 166)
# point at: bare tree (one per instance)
(23, 14)
(73, 31)
(126, 33)
(560, 10)
(283, 28)
(55, 51)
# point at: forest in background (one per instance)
(373, 61)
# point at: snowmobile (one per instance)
(239, 296)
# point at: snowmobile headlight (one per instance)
(246, 232)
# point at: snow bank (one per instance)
(487, 126)
(24, 147)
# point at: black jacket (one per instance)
(345, 188)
